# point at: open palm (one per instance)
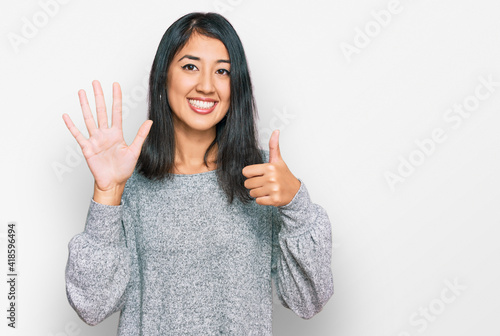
(108, 156)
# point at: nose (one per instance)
(205, 83)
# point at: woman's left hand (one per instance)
(271, 183)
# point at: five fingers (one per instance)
(102, 118)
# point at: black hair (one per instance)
(236, 133)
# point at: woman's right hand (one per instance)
(108, 156)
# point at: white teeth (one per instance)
(201, 104)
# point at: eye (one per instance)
(190, 67)
(223, 72)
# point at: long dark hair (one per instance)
(236, 133)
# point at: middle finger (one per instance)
(254, 182)
(102, 118)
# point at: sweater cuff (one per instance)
(104, 221)
(296, 213)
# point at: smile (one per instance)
(202, 106)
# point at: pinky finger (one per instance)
(74, 130)
(264, 200)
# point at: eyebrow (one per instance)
(197, 59)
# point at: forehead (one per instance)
(204, 47)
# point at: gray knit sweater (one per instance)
(177, 259)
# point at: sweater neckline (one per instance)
(194, 175)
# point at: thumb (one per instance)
(143, 132)
(274, 147)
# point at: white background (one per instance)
(346, 122)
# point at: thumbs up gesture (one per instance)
(271, 183)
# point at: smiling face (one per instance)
(198, 84)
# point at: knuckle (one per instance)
(276, 199)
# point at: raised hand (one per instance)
(271, 183)
(108, 156)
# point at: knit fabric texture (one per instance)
(175, 258)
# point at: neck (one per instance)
(190, 148)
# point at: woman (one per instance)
(189, 224)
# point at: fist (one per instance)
(271, 183)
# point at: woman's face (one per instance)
(198, 84)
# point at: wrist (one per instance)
(111, 196)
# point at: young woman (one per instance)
(189, 224)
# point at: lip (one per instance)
(202, 111)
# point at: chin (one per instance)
(202, 127)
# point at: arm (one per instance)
(103, 258)
(301, 255)
(99, 265)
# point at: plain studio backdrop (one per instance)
(388, 111)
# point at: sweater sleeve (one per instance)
(301, 257)
(99, 265)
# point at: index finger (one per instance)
(87, 113)
(254, 170)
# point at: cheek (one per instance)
(177, 90)
(225, 92)
(180, 82)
